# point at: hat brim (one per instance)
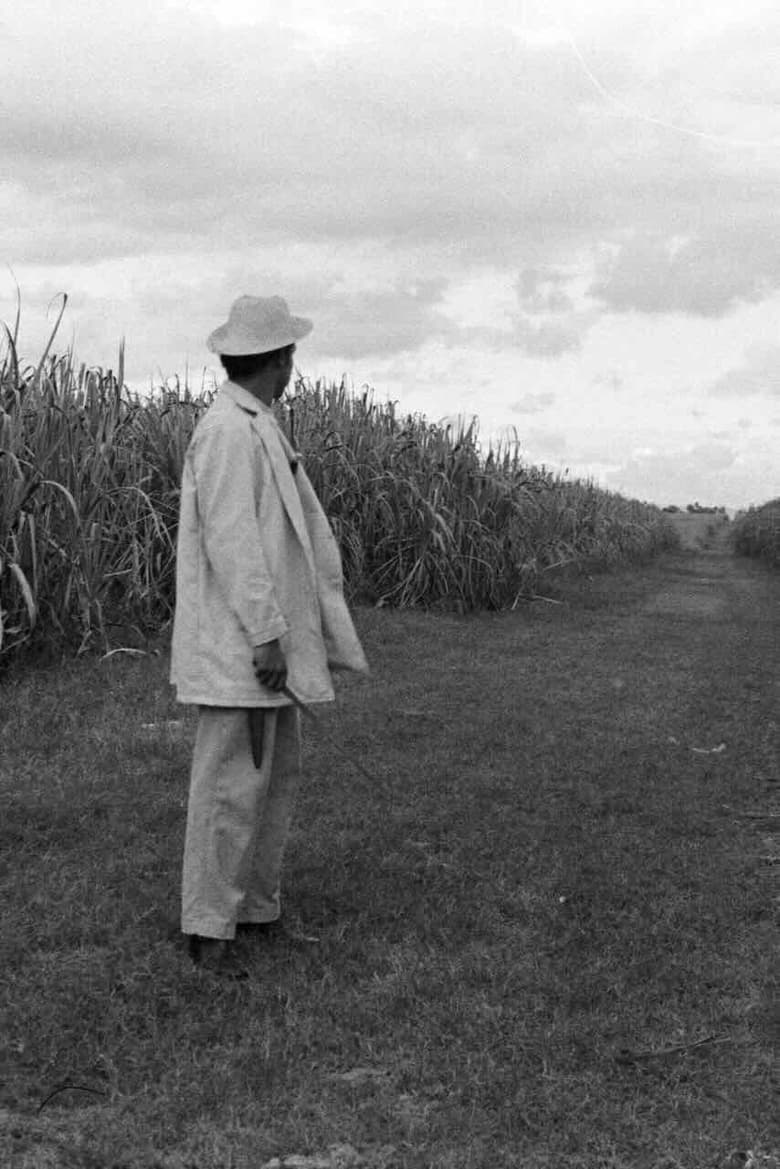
(234, 342)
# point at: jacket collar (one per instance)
(263, 422)
(244, 399)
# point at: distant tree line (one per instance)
(696, 509)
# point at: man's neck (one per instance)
(260, 390)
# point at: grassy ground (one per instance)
(544, 919)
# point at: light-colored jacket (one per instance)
(256, 560)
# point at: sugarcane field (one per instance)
(528, 889)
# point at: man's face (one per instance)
(285, 373)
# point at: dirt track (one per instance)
(716, 582)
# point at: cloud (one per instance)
(194, 137)
(708, 472)
(715, 77)
(611, 380)
(759, 375)
(166, 310)
(705, 275)
(365, 163)
(182, 136)
(545, 445)
(357, 325)
(543, 292)
(532, 403)
(547, 340)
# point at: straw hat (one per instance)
(258, 324)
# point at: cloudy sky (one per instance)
(559, 217)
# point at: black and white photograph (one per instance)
(389, 584)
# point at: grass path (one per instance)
(536, 848)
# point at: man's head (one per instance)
(274, 368)
(257, 342)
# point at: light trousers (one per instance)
(238, 819)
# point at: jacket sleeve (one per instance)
(223, 467)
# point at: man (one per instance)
(260, 616)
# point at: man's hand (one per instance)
(270, 665)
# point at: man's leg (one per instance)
(282, 744)
(226, 796)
